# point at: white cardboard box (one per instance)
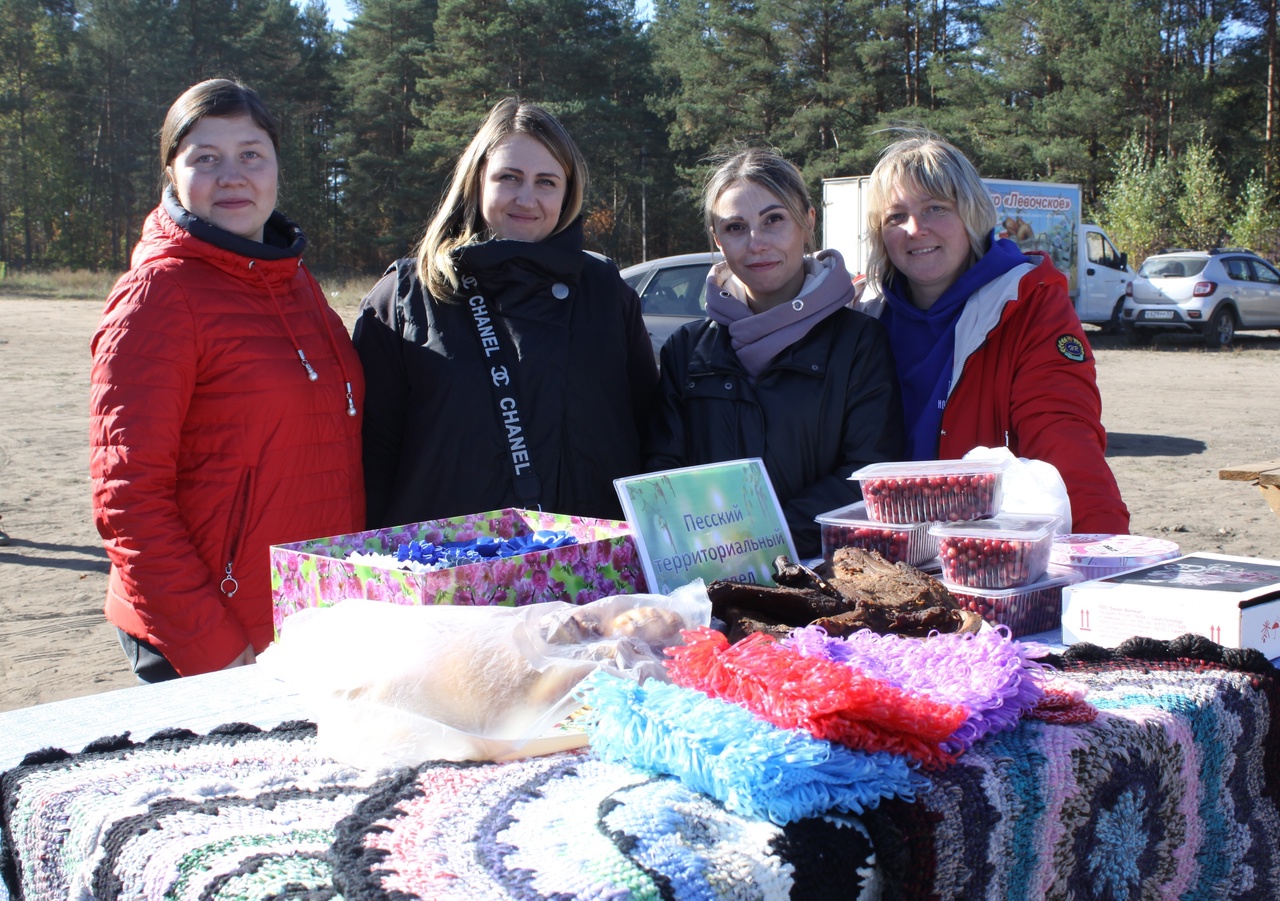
(1234, 601)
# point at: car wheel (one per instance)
(1138, 337)
(1221, 330)
(1115, 325)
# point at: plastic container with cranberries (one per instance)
(1028, 610)
(849, 526)
(931, 491)
(1006, 551)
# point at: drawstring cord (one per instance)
(316, 293)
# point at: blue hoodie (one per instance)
(924, 343)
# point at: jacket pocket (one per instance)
(238, 520)
(717, 386)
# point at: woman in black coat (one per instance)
(506, 366)
(781, 369)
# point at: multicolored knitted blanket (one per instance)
(244, 814)
(1169, 793)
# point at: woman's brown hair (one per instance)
(220, 98)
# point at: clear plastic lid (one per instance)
(1050, 580)
(856, 515)
(1011, 526)
(923, 468)
(932, 490)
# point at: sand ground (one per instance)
(1176, 415)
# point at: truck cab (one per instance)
(1104, 275)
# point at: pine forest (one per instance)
(1164, 111)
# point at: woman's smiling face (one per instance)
(926, 240)
(762, 243)
(225, 172)
(522, 189)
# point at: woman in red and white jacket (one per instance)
(226, 399)
(988, 348)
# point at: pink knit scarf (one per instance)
(759, 337)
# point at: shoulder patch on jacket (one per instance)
(1071, 347)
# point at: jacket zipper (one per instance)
(229, 586)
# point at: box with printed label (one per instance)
(319, 572)
(1233, 601)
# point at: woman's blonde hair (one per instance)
(766, 169)
(925, 161)
(457, 221)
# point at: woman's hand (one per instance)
(247, 656)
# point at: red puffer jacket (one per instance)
(1025, 378)
(210, 441)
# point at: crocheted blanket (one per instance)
(1169, 793)
(243, 813)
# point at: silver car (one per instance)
(1212, 293)
(673, 291)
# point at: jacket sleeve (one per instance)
(642, 371)
(143, 374)
(1056, 409)
(666, 442)
(872, 432)
(381, 350)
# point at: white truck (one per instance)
(1038, 215)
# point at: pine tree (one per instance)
(1204, 199)
(1257, 224)
(129, 68)
(36, 163)
(385, 194)
(305, 102)
(1136, 208)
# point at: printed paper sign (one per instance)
(718, 521)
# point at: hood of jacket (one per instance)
(173, 232)
(502, 263)
(759, 337)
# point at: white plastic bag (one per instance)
(1028, 486)
(396, 685)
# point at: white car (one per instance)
(1212, 293)
(673, 291)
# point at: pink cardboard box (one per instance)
(604, 562)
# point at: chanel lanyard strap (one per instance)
(506, 398)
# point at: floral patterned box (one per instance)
(604, 562)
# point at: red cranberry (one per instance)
(943, 498)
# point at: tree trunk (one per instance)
(1269, 142)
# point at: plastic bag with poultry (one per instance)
(393, 685)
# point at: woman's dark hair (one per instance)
(220, 98)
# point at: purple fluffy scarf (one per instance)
(989, 674)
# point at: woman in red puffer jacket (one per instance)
(226, 399)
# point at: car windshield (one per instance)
(677, 292)
(1173, 267)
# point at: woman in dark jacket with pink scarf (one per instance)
(781, 369)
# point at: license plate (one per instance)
(1158, 314)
